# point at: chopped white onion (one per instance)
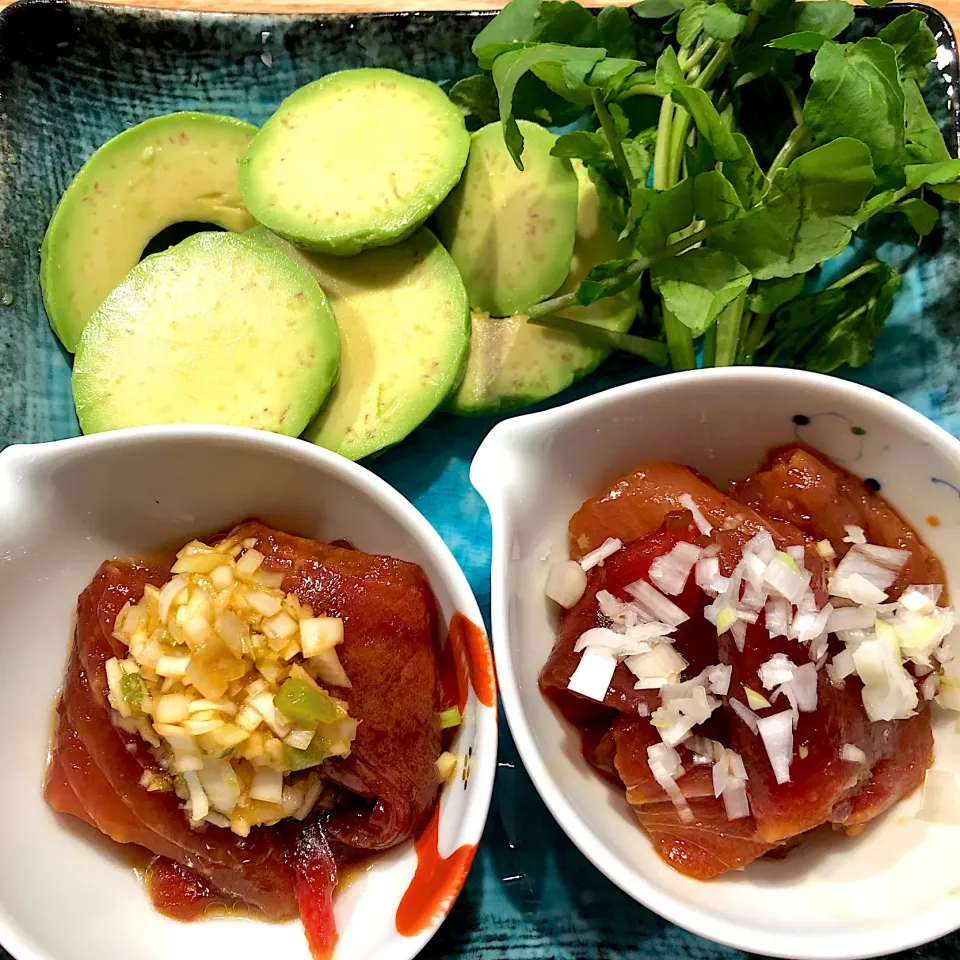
(566, 582)
(708, 576)
(664, 763)
(840, 667)
(221, 784)
(941, 798)
(199, 802)
(825, 550)
(797, 554)
(879, 566)
(747, 716)
(606, 549)
(778, 669)
(777, 616)
(761, 545)
(889, 692)
(850, 751)
(808, 626)
(267, 785)
(854, 534)
(718, 677)
(739, 632)
(170, 592)
(921, 598)
(703, 524)
(594, 673)
(662, 665)
(930, 686)
(784, 577)
(683, 707)
(776, 731)
(599, 637)
(653, 602)
(850, 618)
(669, 573)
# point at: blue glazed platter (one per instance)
(73, 75)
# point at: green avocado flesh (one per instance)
(176, 168)
(355, 159)
(510, 232)
(513, 363)
(219, 329)
(404, 329)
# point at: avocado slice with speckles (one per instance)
(218, 329)
(404, 329)
(181, 167)
(513, 363)
(356, 159)
(509, 231)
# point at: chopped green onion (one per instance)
(133, 688)
(306, 705)
(313, 756)
(450, 718)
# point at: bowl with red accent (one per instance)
(70, 505)
(834, 896)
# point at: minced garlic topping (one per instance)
(222, 681)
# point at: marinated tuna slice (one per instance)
(694, 640)
(178, 892)
(104, 765)
(904, 751)
(636, 505)
(390, 631)
(707, 846)
(820, 498)
(633, 736)
(822, 786)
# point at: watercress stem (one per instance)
(688, 61)
(754, 328)
(641, 90)
(631, 272)
(710, 347)
(728, 332)
(854, 275)
(795, 107)
(679, 342)
(793, 145)
(613, 138)
(661, 156)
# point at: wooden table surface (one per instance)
(950, 8)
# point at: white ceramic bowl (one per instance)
(67, 506)
(897, 884)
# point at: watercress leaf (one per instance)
(654, 9)
(920, 174)
(638, 157)
(563, 68)
(690, 23)
(605, 280)
(699, 158)
(856, 92)
(745, 174)
(516, 23)
(567, 22)
(697, 285)
(924, 140)
(566, 72)
(837, 325)
(914, 43)
(656, 214)
(610, 73)
(805, 41)
(829, 18)
(668, 74)
(765, 7)
(850, 339)
(700, 107)
(721, 23)
(625, 91)
(877, 203)
(921, 215)
(877, 3)
(616, 33)
(524, 22)
(767, 296)
(807, 214)
(714, 198)
(476, 98)
(949, 191)
(590, 148)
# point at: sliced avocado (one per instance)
(513, 363)
(356, 159)
(510, 232)
(404, 329)
(171, 169)
(219, 329)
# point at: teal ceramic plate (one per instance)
(72, 76)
